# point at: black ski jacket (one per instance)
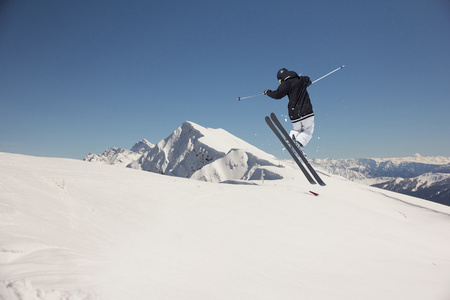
(294, 87)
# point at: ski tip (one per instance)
(315, 194)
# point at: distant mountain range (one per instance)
(214, 155)
(424, 177)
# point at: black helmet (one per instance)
(280, 75)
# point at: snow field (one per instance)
(76, 230)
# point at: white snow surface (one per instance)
(71, 229)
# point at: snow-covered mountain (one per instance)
(114, 156)
(189, 149)
(76, 230)
(424, 177)
(237, 164)
(142, 146)
(430, 186)
(121, 156)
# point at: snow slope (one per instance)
(75, 230)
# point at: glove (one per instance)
(267, 91)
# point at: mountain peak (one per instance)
(190, 147)
(142, 146)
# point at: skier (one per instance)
(300, 109)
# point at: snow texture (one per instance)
(71, 229)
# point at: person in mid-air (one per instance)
(300, 108)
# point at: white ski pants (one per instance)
(303, 130)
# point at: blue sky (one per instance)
(81, 76)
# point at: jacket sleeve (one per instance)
(307, 80)
(281, 91)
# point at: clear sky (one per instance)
(81, 76)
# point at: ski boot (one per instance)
(299, 145)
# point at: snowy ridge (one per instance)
(191, 147)
(237, 164)
(182, 153)
(428, 179)
(417, 176)
(353, 168)
(142, 146)
(430, 186)
(114, 156)
(430, 160)
(121, 156)
(76, 230)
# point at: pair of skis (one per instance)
(289, 144)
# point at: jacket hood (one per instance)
(288, 74)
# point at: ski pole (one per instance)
(239, 98)
(328, 74)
